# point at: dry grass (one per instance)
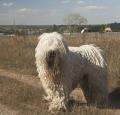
(17, 54)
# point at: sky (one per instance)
(47, 12)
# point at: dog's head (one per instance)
(51, 50)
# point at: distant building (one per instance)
(1, 34)
(66, 33)
(108, 29)
(11, 35)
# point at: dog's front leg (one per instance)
(59, 101)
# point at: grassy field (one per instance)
(17, 55)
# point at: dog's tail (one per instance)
(90, 53)
(93, 54)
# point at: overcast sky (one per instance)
(44, 12)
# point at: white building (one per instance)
(108, 29)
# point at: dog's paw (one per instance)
(46, 98)
(56, 107)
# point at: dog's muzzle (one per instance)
(50, 58)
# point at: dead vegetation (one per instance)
(17, 55)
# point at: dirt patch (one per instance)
(22, 95)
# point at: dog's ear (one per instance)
(51, 58)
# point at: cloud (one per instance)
(89, 8)
(36, 16)
(72, 1)
(80, 2)
(24, 10)
(8, 4)
(36, 12)
(52, 12)
(94, 7)
(65, 1)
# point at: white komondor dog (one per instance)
(62, 68)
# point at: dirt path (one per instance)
(19, 94)
(22, 95)
(28, 79)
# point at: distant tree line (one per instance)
(38, 29)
